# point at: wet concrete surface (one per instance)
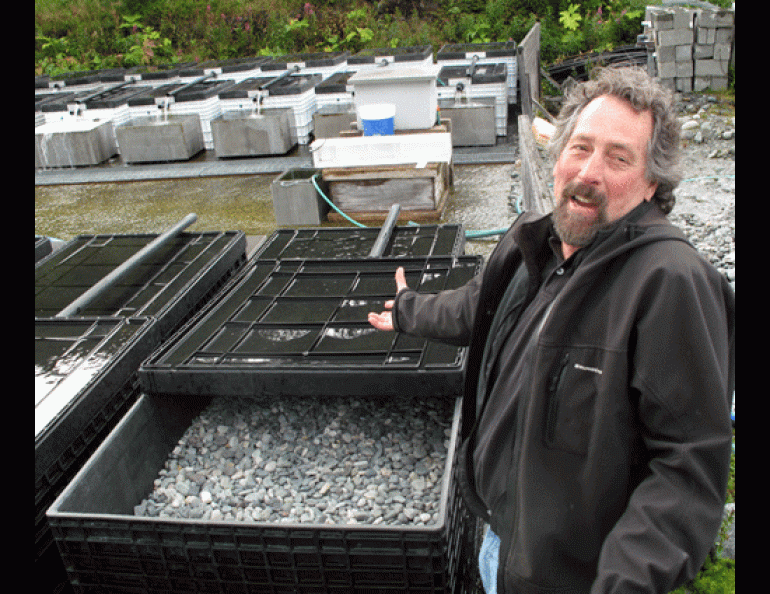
(234, 194)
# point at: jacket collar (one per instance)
(640, 221)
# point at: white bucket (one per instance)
(378, 119)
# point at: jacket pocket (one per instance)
(572, 391)
(465, 481)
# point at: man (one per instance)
(596, 419)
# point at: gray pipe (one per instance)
(385, 232)
(293, 69)
(113, 277)
(189, 84)
(472, 66)
(102, 91)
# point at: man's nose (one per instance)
(591, 169)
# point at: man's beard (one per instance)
(573, 228)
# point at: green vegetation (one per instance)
(93, 34)
(716, 577)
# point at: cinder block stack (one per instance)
(714, 31)
(691, 46)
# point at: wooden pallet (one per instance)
(367, 193)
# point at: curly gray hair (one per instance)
(643, 92)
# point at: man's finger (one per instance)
(400, 279)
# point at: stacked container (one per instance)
(238, 69)
(405, 242)
(277, 90)
(323, 63)
(289, 286)
(55, 106)
(484, 83)
(161, 74)
(85, 381)
(86, 364)
(335, 90)
(466, 54)
(111, 103)
(420, 55)
(76, 128)
(200, 97)
(152, 100)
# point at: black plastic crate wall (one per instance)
(300, 327)
(43, 247)
(407, 241)
(85, 380)
(169, 285)
(86, 366)
(107, 549)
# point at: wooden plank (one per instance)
(382, 172)
(537, 196)
(372, 217)
(367, 196)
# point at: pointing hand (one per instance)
(384, 320)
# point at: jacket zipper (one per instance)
(553, 401)
(507, 555)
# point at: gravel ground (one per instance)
(298, 460)
(705, 205)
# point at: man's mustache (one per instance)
(588, 192)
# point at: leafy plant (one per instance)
(355, 37)
(570, 18)
(716, 577)
(145, 42)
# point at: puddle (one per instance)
(479, 201)
(222, 204)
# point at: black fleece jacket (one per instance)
(617, 449)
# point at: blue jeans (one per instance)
(488, 562)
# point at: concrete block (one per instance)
(725, 18)
(684, 85)
(149, 139)
(709, 17)
(684, 69)
(666, 54)
(714, 83)
(724, 35)
(705, 35)
(721, 51)
(705, 17)
(74, 143)
(243, 133)
(711, 67)
(701, 83)
(700, 52)
(683, 18)
(675, 37)
(683, 53)
(718, 83)
(661, 18)
(666, 69)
